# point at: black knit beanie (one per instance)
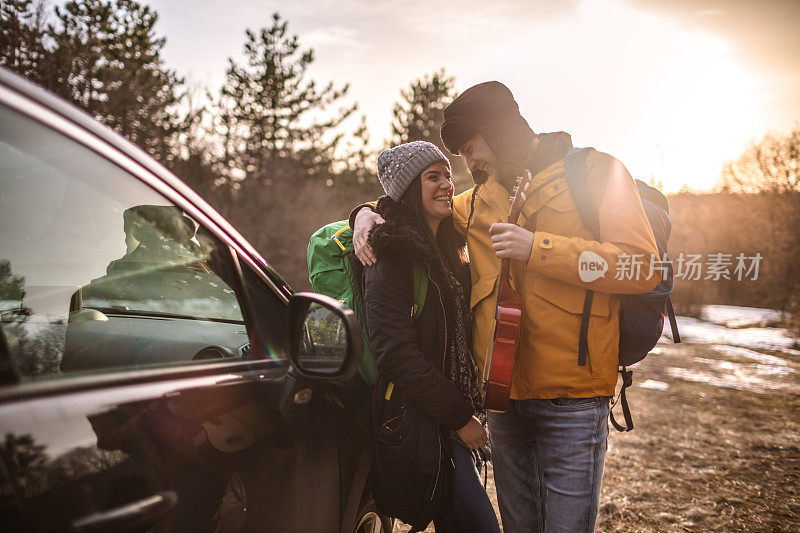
(488, 108)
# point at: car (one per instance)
(156, 374)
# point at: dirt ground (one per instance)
(717, 450)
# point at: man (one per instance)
(549, 445)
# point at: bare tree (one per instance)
(771, 164)
(770, 168)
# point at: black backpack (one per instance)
(641, 318)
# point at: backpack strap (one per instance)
(420, 289)
(420, 292)
(627, 380)
(575, 174)
(676, 336)
(583, 339)
(336, 235)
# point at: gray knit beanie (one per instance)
(398, 166)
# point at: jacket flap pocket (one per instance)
(550, 195)
(481, 289)
(568, 297)
(557, 196)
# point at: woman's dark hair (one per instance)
(448, 242)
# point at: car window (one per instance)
(98, 270)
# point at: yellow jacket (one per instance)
(552, 291)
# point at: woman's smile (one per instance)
(437, 194)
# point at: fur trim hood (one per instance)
(398, 239)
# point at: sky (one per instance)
(672, 88)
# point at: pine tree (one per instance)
(356, 175)
(269, 112)
(420, 114)
(107, 59)
(21, 38)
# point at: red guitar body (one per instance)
(508, 318)
(504, 347)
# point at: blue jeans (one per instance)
(548, 458)
(469, 508)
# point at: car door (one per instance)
(144, 379)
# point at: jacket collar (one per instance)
(496, 197)
(398, 238)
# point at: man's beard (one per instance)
(479, 176)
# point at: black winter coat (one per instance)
(410, 352)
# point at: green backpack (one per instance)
(334, 270)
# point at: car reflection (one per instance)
(164, 301)
(187, 440)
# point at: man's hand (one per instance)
(473, 434)
(365, 219)
(511, 242)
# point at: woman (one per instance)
(428, 358)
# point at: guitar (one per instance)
(507, 318)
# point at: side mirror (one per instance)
(325, 339)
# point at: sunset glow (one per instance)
(672, 102)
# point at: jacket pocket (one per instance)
(556, 196)
(545, 196)
(395, 430)
(568, 297)
(481, 289)
(574, 404)
(559, 214)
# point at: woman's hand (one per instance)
(365, 219)
(473, 434)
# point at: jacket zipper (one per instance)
(444, 363)
(444, 316)
(438, 467)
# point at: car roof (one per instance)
(30, 90)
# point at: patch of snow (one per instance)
(750, 354)
(724, 365)
(741, 376)
(787, 351)
(740, 317)
(695, 330)
(702, 377)
(655, 385)
(769, 370)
